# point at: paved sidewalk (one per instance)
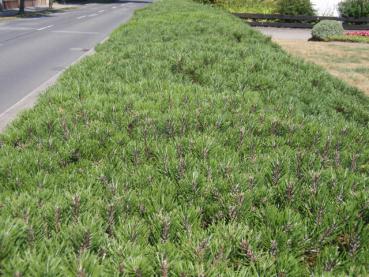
(285, 33)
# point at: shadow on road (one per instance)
(34, 13)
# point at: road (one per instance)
(33, 50)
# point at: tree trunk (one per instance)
(21, 6)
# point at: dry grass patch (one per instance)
(347, 61)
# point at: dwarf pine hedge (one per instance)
(188, 145)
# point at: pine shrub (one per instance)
(188, 145)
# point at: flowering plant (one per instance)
(360, 33)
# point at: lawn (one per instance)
(346, 61)
(188, 145)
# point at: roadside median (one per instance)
(188, 145)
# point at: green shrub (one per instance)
(326, 29)
(249, 6)
(295, 7)
(354, 8)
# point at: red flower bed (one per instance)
(360, 33)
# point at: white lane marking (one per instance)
(44, 28)
(114, 7)
(80, 17)
(101, 11)
(76, 32)
(92, 15)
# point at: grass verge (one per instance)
(188, 145)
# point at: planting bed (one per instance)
(360, 36)
(188, 145)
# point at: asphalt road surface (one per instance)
(33, 50)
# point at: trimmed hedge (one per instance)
(326, 29)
